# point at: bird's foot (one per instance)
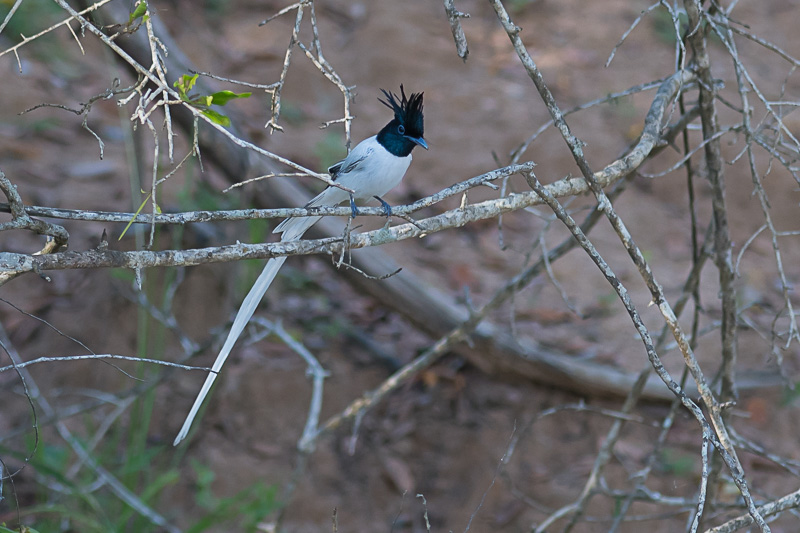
(353, 209)
(387, 208)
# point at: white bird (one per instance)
(374, 167)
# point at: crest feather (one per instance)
(408, 110)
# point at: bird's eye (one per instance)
(401, 129)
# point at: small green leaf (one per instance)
(223, 97)
(140, 10)
(185, 83)
(217, 118)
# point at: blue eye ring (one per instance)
(401, 129)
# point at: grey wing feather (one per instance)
(334, 169)
(351, 162)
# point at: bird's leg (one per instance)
(385, 206)
(353, 208)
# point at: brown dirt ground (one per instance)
(444, 434)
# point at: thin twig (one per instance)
(102, 357)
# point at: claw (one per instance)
(385, 206)
(353, 208)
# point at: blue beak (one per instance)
(418, 140)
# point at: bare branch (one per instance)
(455, 16)
(69, 358)
(790, 501)
(720, 439)
(21, 220)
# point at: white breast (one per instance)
(377, 174)
(372, 171)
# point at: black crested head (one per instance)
(406, 130)
(407, 111)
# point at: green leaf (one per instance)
(184, 84)
(223, 97)
(217, 118)
(140, 10)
